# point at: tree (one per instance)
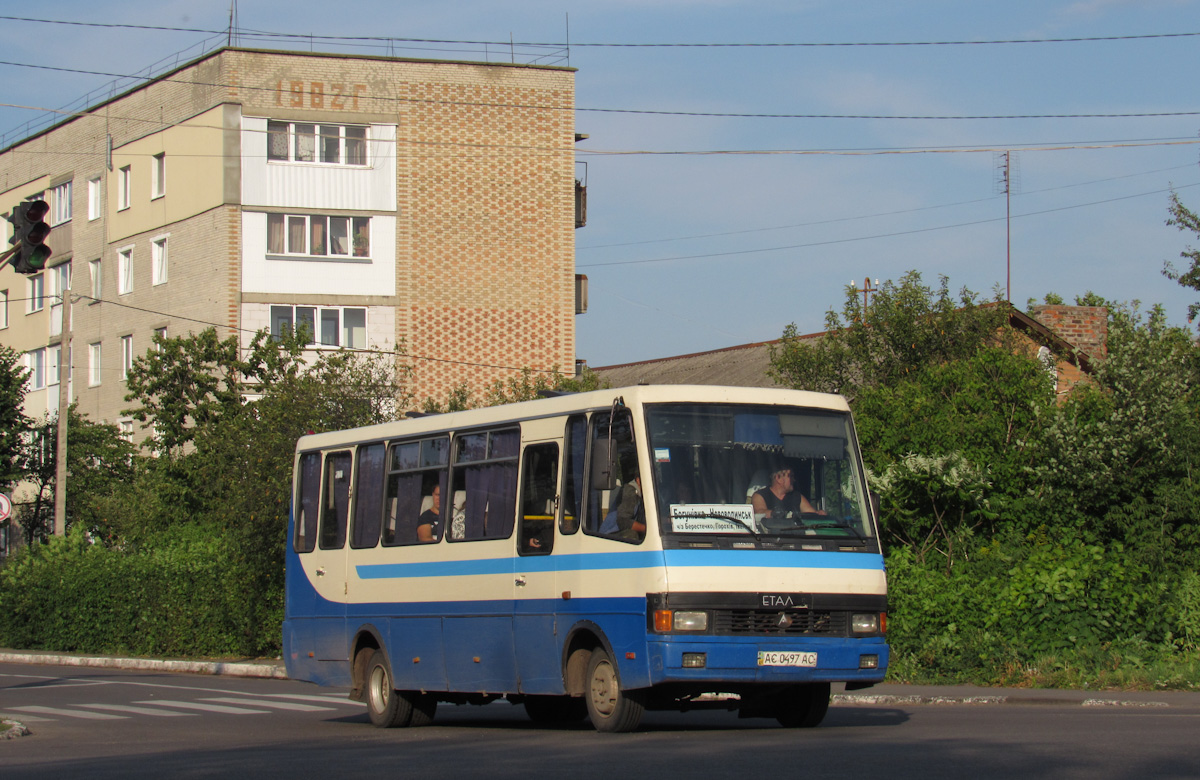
(1185, 219)
(14, 425)
(907, 326)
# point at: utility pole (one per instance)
(64, 404)
(1006, 180)
(867, 289)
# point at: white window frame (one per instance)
(159, 260)
(328, 324)
(95, 198)
(59, 200)
(126, 356)
(95, 353)
(36, 299)
(315, 143)
(125, 429)
(125, 270)
(158, 176)
(3, 309)
(284, 246)
(96, 269)
(35, 361)
(161, 335)
(53, 355)
(124, 187)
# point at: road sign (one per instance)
(5, 507)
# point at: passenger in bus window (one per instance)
(429, 525)
(782, 498)
(631, 512)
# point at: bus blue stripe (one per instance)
(625, 560)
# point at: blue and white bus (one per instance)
(590, 555)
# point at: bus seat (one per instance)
(759, 481)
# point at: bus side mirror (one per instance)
(602, 466)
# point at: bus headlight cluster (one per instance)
(866, 623)
(673, 620)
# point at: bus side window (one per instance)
(336, 506)
(539, 476)
(307, 503)
(572, 495)
(368, 496)
(616, 508)
(483, 502)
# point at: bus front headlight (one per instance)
(865, 623)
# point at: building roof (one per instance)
(747, 365)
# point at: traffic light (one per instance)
(29, 236)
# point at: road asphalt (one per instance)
(887, 694)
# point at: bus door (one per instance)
(328, 561)
(534, 597)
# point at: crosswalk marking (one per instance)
(322, 699)
(275, 705)
(67, 713)
(138, 710)
(195, 705)
(27, 718)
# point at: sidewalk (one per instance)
(879, 695)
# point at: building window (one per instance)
(93, 364)
(313, 143)
(124, 176)
(125, 271)
(326, 326)
(95, 269)
(158, 176)
(160, 335)
(126, 356)
(60, 284)
(94, 195)
(3, 309)
(35, 361)
(59, 199)
(53, 358)
(158, 260)
(37, 294)
(311, 235)
(125, 430)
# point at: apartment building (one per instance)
(381, 201)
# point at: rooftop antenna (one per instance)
(1007, 179)
(232, 19)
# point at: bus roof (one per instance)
(571, 403)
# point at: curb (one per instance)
(851, 699)
(228, 668)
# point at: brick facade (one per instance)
(1086, 327)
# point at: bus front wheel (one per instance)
(385, 705)
(803, 706)
(610, 708)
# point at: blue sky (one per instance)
(710, 231)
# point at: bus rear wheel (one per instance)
(386, 706)
(803, 706)
(609, 707)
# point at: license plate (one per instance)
(768, 658)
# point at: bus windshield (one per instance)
(771, 472)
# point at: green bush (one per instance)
(178, 598)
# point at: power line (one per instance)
(392, 353)
(879, 235)
(791, 44)
(875, 215)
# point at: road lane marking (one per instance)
(195, 705)
(138, 710)
(84, 714)
(25, 718)
(323, 699)
(278, 705)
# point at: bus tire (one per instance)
(803, 706)
(386, 706)
(610, 708)
(552, 710)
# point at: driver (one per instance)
(781, 497)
